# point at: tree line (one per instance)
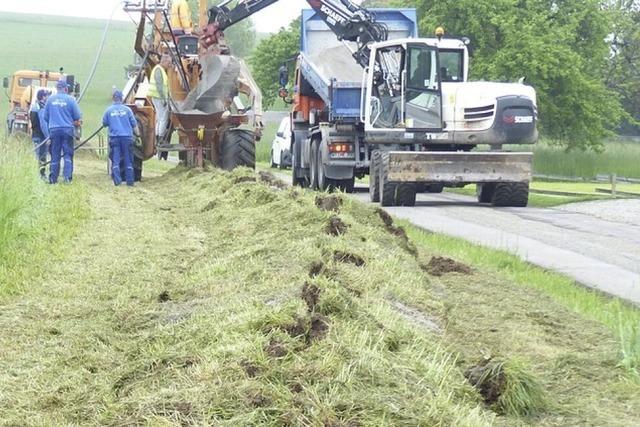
(581, 56)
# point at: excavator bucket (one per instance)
(217, 85)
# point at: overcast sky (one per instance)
(269, 20)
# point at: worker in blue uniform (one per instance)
(40, 129)
(62, 114)
(122, 126)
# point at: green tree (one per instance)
(269, 55)
(623, 74)
(558, 45)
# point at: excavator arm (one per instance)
(347, 20)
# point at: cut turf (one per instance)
(203, 297)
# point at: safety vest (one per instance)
(153, 84)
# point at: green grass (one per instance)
(618, 157)
(620, 317)
(35, 219)
(232, 303)
(49, 42)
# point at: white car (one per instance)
(281, 145)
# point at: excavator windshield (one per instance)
(421, 88)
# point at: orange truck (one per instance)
(21, 88)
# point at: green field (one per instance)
(621, 158)
(36, 42)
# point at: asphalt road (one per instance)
(581, 243)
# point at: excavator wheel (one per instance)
(387, 188)
(238, 149)
(374, 177)
(514, 194)
(484, 191)
(406, 194)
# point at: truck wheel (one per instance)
(313, 166)
(238, 149)
(515, 194)
(374, 177)
(346, 185)
(323, 183)
(406, 194)
(387, 189)
(485, 191)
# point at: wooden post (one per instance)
(614, 181)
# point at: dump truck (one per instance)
(409, 118)
(21, 88)
(215, 105)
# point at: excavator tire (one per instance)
(374, 177)
(387, 188)
(238, 149)
(484, 192)
(514, 194)
(406, 194)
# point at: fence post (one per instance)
(614, 181)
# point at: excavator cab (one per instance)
(404, 91)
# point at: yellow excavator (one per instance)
(215, 105)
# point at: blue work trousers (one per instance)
(121, 148)
(61, 149)
(40, 151)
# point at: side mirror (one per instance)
(76, 88)
(5, 82)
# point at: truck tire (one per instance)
(346, 185)
(514, 194)
(406, 194)
(374, 177)
(313, 166)
(323, 183)
(387, 188)
(238, 148)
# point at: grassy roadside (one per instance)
(36, 220)
(621, 318)
(237, 302)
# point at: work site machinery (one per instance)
(373, 98)
(215, 105)
(21, 89)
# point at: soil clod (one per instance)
(329, 203)
(397, 231)
(319, 327)
(311, 296)
(251, 369)
(438, 266)
(241, 179)
(164, 297)
(336, 226)
(349, 258)
(272, 180)
(276, 349)
(316, 268)
(210, 206)
(489, 379)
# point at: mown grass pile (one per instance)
(34, 218)
(211, 298)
